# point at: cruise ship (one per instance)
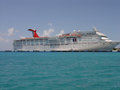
(92, 40)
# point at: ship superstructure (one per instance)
(77, 41)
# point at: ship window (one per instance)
(32, 42)
(62, 41)
(41, 41)
(68, 40)
(53, 41)
(28, 42)
(24, 42)
(46, 41)
(36, 42)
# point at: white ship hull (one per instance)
(77, 41)
(68, 47)
(101, 46)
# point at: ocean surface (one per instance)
(59, 71)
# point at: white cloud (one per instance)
(50, 24)
(21, 37)
(10, 32)
(61, 32)
(6, 40)
(47, 33)
(3, 40)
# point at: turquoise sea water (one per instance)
(59, 71)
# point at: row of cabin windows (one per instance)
(62, 41)
(66, 46)
(88, 34)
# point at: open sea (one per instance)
(59, 71)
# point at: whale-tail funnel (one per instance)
(33, 32)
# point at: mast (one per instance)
(94, 28)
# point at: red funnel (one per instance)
(34, 32)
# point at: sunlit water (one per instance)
(59, 71)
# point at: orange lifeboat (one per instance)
(74, 35)
(79, 35)
(45, 36)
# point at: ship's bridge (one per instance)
(100, 34)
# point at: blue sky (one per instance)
(52, 16)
